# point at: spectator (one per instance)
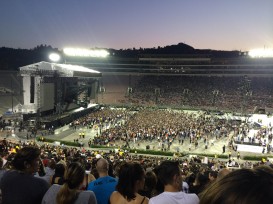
(199, 183)
(131, 180)
(58, 177)
(2, 171)
(105, 185)
(150, 184)
(49, 170)
(69, 192)
(222, 173)
(169, 175)
(213, 176)
(245, 186)
(4, 157)
(19, 185)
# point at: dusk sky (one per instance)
(203, 24)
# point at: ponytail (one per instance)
(73, 178)
(66, 195)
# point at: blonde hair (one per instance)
(73, 178)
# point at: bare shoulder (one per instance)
(115, 194)
(115, 197)
(141, 199)
(146, 200)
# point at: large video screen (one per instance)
(47, 96)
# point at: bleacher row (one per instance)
(225, 93)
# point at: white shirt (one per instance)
(174, 198)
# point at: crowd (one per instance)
(163, 128)
(225, 93)
(261, 136)
(32, 173)
(56, 174)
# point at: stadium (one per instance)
(232, 85)
(206, 109)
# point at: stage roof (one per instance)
(62, 70)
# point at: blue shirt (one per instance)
(103, 187)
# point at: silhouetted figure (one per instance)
(224, 149)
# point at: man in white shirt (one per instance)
(169, 174)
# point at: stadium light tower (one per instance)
(261, 53)
(54, 57)
(79, 52)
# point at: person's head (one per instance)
(150, 180)
(102, 166)
(59, 170)
(4, 155)
(27, 159)
(222, 173)
(73, 178)
(169, 174)
(245, 186)
(201, 179)
(52, 164)
(131, 179)
(213, 175)
(74, 175)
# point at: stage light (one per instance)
(54, 57)
(78, 52)
(261, 53)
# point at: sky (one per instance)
(122, 24)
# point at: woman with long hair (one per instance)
(244, 186)
(131, 180)
(69, 192)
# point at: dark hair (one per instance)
(1, 162)
(25, 155)
(73, 177)
(129, 174)
(213, 174)
(59, 170)
(52, 164)
(150, 185)
(167, 170)
(150, 180)
(245, 186)
(201, 179)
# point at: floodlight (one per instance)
(54, 57)
(78, 52)
(261, 53)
